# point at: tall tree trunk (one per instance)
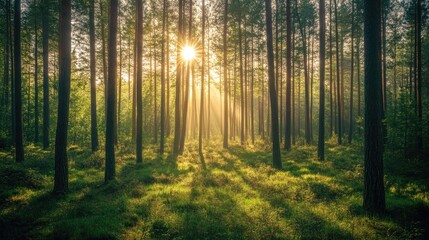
(61, 163)
(241, 82)
(186, 86)
(7, 64)
(225, 78)
(384, 51)
(252, 110)
(293, 107)
(167, 72)
(288, 143)
(208, 85)
(118, 112)
(351, 76)
(155, 109)
(306, 80)
(200, 136)
(134, 102)
(103, 54)
(94, 131)
(177, 113)
(322, 30)
(340, 127)
(373, 196)
(277, 162)
(36, 84)
(139, 103)
(45, 43)
(419, 78)
(358, 76)
(331, 99)
(161, 142)
(111, 92)
(311, 85)
(19, 146)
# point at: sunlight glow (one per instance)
(188, 53)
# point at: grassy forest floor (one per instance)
(226, 194)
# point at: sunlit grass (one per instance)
(237, 195)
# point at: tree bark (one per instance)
(351, 76)
(306, 80)
(340, 135)
(36, 83)
(45, 43)
(241, 82)
(288, 143)
(374, 196)
(200, 136)
(225, 78)
(61, 163)
(111, 92)
(322, 30)
(277, 162)
(94, 131)
(19, 145)
(139, 103)
(161, 142)
(177, 112)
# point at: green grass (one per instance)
(223, 194)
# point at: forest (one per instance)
(214, 119)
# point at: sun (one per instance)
(188, 53)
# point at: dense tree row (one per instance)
(166, 72)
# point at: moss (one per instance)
(221, 194)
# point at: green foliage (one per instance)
(223, 194)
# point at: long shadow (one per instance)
(304, 221)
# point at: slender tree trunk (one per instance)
(246, 84)
(167, 72)
(358, 77)
(19, 146)
(103, 53)
(252, 110)
(331, 99)
(340, 135)
(241, 82)
(8, 62)
(384, 66)
(155, 109)
(288, 144)
(61, 163)
(118, 112)
(373, 196)
(306, 80)
(111, 92)
(161, 144)
(177, 113)
(94, 131)
(293, 107)
(139, 103)
(200, 136)
(36, 84)
(208, 84)
(311, 85)
(277, 162)
(186, 87)
(419, 78)
(225, 78)
(45, 43)
(134, 103)
(351, 77)
(322, 31)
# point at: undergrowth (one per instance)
(221, 194)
